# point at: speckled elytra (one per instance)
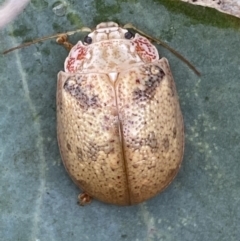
(119, 123)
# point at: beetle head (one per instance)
(106, 31)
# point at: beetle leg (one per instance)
(84, 199)
(62, 39)
(160, 42)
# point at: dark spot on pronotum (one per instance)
(128, 35)
(137, 81)
(87, 40)
(153, 76)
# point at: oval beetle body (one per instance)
(119, 123)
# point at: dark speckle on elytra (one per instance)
(137, 143)
(174, 132)
(74, 88)
(166, 143)
(69, 147)
(154, 75)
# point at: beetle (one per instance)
(119, 123)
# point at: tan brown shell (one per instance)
(119, 123)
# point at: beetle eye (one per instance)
(128, 35)
(87, 40)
